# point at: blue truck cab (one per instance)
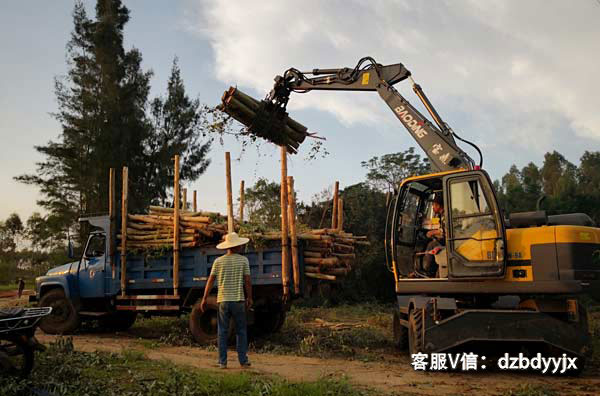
(90, 288)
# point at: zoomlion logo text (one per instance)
(410, 122)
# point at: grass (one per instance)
(308, 331)
(62, 371)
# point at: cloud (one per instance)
(503, 72)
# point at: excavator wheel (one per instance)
(415, 331)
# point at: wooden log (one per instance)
(308, 253)
(176, 229)
(293, 237)
(149, 220)
(334, 215)
(330, 261)
(324, 250)
(285, 253)
(195, 202)
(345, 241)
(364, 243)
(229, 194)
(340, 210)
(308, 268)
(242, 201)
(345, 255)
(184, 199)
(196, 219)
(320, 276)
(337, 271)
(320, 243)
(124, 218)
(112, 215)
(338, 247)
(139, 226)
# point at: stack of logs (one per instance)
(329, 252)
(264, 119)
(155, 230)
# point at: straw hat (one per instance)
(232, 240)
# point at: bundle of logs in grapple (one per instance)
(264, 119)
(156, 229)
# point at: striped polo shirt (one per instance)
(229, 271)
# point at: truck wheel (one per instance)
(64, 318)
(118, 321)
(400, 332)
(270, 321)
(204, 325)
(415, 331)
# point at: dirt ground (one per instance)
(392, 375)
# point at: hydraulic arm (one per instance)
(437, 142)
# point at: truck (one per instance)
(89, 288)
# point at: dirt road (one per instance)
(393, 377)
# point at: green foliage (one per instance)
(131, 374)
(178, 123)
(567, 188)
(263, 205)
(387, 171)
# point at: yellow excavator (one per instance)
(512, 280)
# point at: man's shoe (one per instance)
(247, 364)
(222, 366)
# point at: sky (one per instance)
(517, 78)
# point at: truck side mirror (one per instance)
(70, 252)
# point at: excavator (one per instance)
(514, 280)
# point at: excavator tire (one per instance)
(400, 332)
(415, 331)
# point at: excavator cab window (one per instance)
(475, 235)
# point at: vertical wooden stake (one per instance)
(185, 199)
(340, 222)
(176, 229)
(195, 203)
(113, 217)
(293, 237)
(124, 231)
(230, 228)
(334, 212)
(242, 202)
(285, 253)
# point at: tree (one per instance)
(386, 172)
(102, 109)
(263, 205)
(11, 231)
(178, 129)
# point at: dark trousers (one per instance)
(429, 265)
(235, 310)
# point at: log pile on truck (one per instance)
(328, 254)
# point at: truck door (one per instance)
(92, 267)
(475, 238)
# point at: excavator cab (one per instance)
(473, 242)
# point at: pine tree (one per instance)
(178, 123)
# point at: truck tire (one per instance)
(118, 321)
(415, 331)
(64, 318)
(400, 332)
(204, 325)
(270, 321)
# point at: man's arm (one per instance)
(209, 285)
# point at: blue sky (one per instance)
(518, 78)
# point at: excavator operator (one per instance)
(438, 239)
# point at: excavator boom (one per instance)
(437, 142)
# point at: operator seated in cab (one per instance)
(438, 239)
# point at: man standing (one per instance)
(232, 273)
